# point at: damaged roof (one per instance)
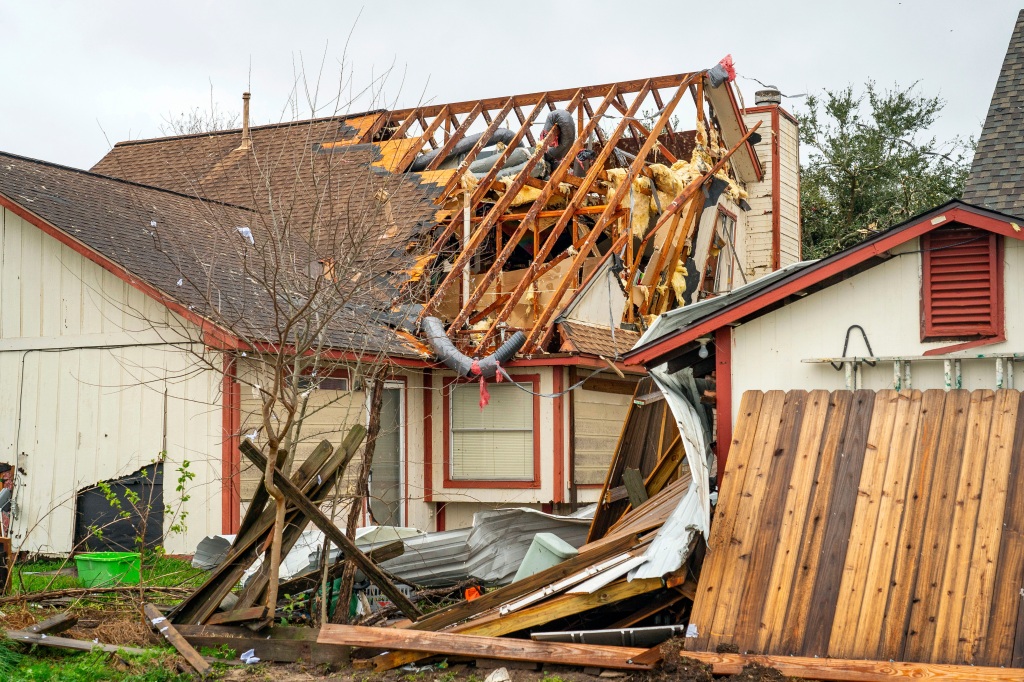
(181, 250)
(996, 180)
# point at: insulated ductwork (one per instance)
(564, 138)
(447, 353)
(461, 148)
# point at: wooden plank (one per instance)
(275, 643)
(160, 623)
(54, 624)
(845, 479)
(494, 624)
(963, 528)
(744, 532)
(909, 545)
(42, 639)
(334, 534)
(724, 521)
(1003, 626)
(653, 606)
(988, 532)
(238, 616)
(861, 534)
(205, 600)
(311, 579)
(767, 532)
(920, 627)
(635, 489)
(482, 647)
(828, 669)
(794, 512)
(878, 578)
(790, 639)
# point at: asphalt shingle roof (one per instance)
(997, 176)
(187, 248)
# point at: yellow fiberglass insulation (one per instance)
(679, 281)
(670, 183)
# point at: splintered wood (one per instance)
(864, 525)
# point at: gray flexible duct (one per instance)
(566, 134)
(503, 135)
(463, 365)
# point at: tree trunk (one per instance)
(362, 492)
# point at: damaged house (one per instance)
(556, 225)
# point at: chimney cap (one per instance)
(770, 95)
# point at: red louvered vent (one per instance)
(963, 284)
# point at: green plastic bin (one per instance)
(106, 569)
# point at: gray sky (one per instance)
(79, 76)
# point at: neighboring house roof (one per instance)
(194, 242)
(674, 330)
(997, 179)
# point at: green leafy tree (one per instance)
(873, 163)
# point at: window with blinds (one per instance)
(962, 284)
(493, 444)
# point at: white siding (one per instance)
(599, 420)
(85, 361)
(885, 301)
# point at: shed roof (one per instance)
(997, 179)
(675, 329)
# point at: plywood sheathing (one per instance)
(870, 525)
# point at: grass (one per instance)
(157, 571)
(156, 665)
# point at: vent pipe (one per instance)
(770, 95)
(246, 139)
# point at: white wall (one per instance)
(74, 411)
(885, 301)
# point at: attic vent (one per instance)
(962, 284)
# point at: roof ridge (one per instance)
(193, 197)
(236, 131)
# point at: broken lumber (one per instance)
(53, 625)
(238, 616)
(311, 579)
(160, 623)
(482, 647)
(206, 599)
(827, 669)
(43, 639)
(334, 534)
(280, 644)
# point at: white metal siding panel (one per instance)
(79, 413)
(885, 301)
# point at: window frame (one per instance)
(530, 380)
(929, 332)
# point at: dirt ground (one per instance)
(126, 628)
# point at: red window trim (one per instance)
(929, 332)
(529, 379)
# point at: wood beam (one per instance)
(459, 133)
(475, 646)
(462, 261)
(492, 125)
(160, 623)
(428, 134)
(485, 182)
(533, 98)
(522, 120)
(529, 221)
(312, 512)
(605, 218)
(640, 128)
(574, 204)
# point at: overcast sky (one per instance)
(79, 76)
